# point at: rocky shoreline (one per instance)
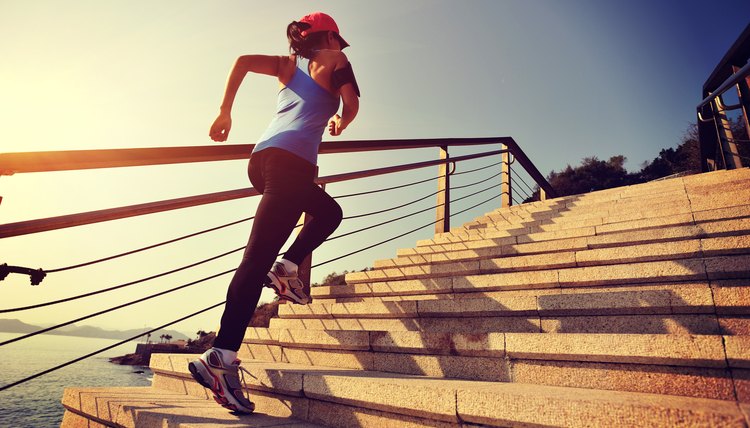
(143, 351)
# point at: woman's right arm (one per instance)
(349, 93)
(262, 64)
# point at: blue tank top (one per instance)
(302, 113)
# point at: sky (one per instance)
(566, 79)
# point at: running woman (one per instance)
(313, 79)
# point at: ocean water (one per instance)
(36, 403)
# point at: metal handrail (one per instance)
(68, 160)
(729, 83)
(12, 163)
(79, 219)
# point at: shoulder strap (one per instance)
(303, 64)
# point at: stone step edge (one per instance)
(587, 232)
(656, 272)
(596, 198)
(705, 351)
(479, 402)
(563, 244)
(575, 203)
(576, 258)
(520, 229)
(567, 215)
(691, 299)
(524, 236)
(155, 407)
(527, 212)
(586, 214)
(653, 200)
(625, 192)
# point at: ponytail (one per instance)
(303, 45)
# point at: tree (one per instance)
(167, 338)
(263, 314)
(162, 337)
(685, 158)
(201, 334)
(334, 278)
(592, 175)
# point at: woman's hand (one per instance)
(335, 126)
(220, 129)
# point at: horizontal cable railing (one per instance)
(117, 287)
(56, 161)
(107, 348)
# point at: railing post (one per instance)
(743, 91)
(443, 214)
(708, 139)
(505, 187)
(728, 146)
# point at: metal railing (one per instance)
(14, 163)
(717, 142)
(20, 163)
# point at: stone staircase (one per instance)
(623, 307)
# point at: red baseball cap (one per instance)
(320, 21)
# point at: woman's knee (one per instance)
(336, 214)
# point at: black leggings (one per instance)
(286, 183)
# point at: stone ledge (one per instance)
(154, 408)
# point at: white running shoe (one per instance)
(210, 371)
(287, 284)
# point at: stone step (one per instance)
(630, 193)
(691, 298)
(609, 212)
(618, 202)
(612, 362)
(140, 407)
(681, 298)
(682, 215)
(390, 399)
(655, 349)
(611, 309)
(728, 195)
(520, 235)
(697, 184)
(689, 269)
(671, 250)
(677, 324)
(590, 218)
(504, 237)
(487, 248)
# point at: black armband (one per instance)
(343, 76)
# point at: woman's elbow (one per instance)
(351, 102)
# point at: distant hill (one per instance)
(17, 326)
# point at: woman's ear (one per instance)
(330, 38)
